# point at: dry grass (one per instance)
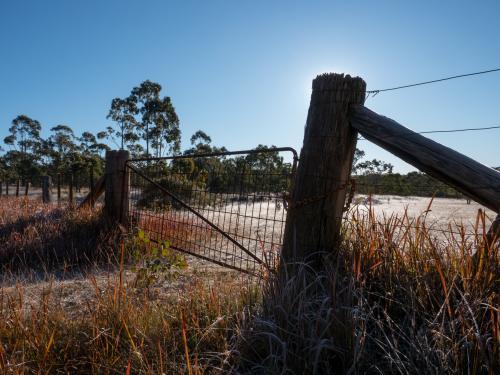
(40, 240)
(118, 327)
(394, 299)
(115, 326)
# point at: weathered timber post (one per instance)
(70, 192)
(317, 200)
(18, 184)
(117, 184)
(46, 182)
(7, 187)
(26, 188)
(58, 187)
(464, 174)
(76, 182)
(91, 180)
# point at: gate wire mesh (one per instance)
(227, 207)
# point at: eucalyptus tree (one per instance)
(360, 167)
(90, 147)
(64, 148)
(165, 134)
(201, 141)
(123, 112)
(4, 171)
(91, 150)
(158, 123)
(136, 150)
(24, 135)
(25, 146)
(200, 168)
(145, 97)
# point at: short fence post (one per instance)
(58, 187)
(46, 182)
(18, 184)
(117, 184)
(7, 187)
(91, 181)
(317, 201)
(26, 188)
(76, 181)
(70, 192)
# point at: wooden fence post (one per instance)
(7, 187)
(26, 188)
(58, 187)
(76, 181)
(18, 184)
(70, 192)
(46, 182)
(91, 181)
(318, 196)
(116, 191)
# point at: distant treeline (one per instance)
(413, 183)
(146, 124)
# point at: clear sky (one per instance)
(242, 70)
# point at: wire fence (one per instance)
(65, 185)
(226, 208)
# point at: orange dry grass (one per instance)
(397, 298)
(41, 238)
(173, 225)
(114, 327)
(117, 328)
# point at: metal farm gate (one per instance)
(227, 207)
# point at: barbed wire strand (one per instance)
(375, 92)
(441, 131)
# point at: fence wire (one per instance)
(66, 185)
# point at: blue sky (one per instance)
(242, 70)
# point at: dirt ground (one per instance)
(73, 293)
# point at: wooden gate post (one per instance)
(46, 196)
(315, 210)
(117, 184)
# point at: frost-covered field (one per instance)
(440, 214)
(258, 225)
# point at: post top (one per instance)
(332, 81)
